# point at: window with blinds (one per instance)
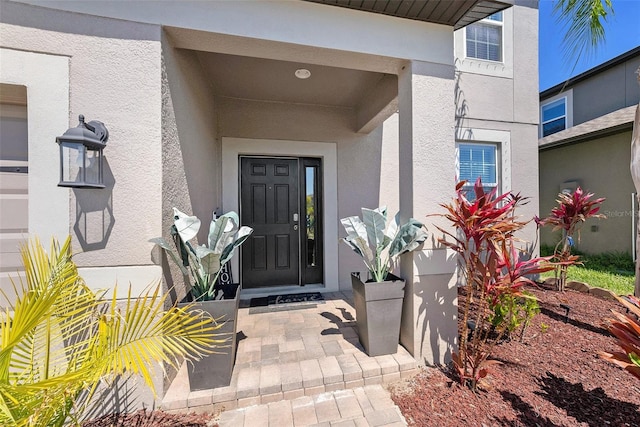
(478, 160)
(484, 39)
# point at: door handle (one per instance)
(295, 217)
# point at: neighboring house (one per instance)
(585, 140)
(208, 110)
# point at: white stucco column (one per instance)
(427, 175)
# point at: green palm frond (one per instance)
(583, 23)
(60, 339)
(133, 337)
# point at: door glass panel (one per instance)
(310, 209)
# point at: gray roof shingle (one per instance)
(614, 122)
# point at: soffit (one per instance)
(261, 79)
(455, 13)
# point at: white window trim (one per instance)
(499, 138)
(502, 69)
(489, 22)
(568, 95)
(48, 117)
(562, 116)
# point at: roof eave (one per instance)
(563, 86)
(464, 12)
(600, 133)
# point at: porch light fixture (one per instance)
(81, 155)
(303, 73)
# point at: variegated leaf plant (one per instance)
(204, 263)
(380, 248)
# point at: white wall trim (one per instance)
(232, 148)
(140, 278)
(48, 117)
(500, 137)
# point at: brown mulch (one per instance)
(553, 378)
(143, 418)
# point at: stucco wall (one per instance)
(114, 77)
(191, 150)
(599, 166)
(111, 73)
(360, 164)
(608, 91)
(295, 23)
(488, 99)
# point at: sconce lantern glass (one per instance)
(81, 155)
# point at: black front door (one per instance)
(270, 205)
(281, 199)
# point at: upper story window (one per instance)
(553, 116)
(478, 160)
(484, 39)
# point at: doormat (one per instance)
(285, 302)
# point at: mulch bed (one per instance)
(144, 418)
(553, 378)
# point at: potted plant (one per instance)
(378, 298)
(203, 265)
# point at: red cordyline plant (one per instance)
(572, 210)
(626, 329)
(492, 270)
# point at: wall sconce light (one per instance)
(81, 155)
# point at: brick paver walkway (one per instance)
(362, 406)
(301, 365)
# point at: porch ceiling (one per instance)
(456, 13)
(251, 78)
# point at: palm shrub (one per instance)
(572, 210)
(60, 340)
(493, 274)
(626, 329)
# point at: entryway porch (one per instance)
(307, 357)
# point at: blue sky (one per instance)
(622, 32)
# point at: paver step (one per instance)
(272, 383)
(288, 355)
(361, 406)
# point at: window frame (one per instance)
(498, 164)
(563, 116)
(568, 111)
(489, 23)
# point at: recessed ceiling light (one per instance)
(303, 73)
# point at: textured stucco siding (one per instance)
(167, 127)
(600, 166)
(609, 91)
(489, 101)
(114, 77)
(427, 157)
(360, 164)
(294, 23)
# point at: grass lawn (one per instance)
(613, 271)
(622, 284)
